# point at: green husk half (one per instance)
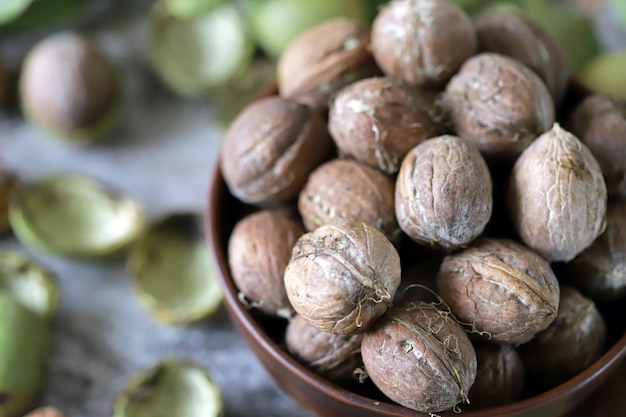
(74, 215)
(174, 276)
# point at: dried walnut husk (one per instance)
(557, 196)
(503, 290)
(343, 276)
(348, 190)
(324, 59)
(500, 375)
(420, 357)
(498, 104)
(511, 34)
(422, 42)
(270, 149)
(599, 271)
(600, 123)
(569, 345)
(378, 120)
(259, 249)
(335, 357)
(443, 193)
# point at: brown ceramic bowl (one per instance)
(264, 336)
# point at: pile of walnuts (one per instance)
(425, 210)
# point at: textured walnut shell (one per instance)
(348, 190)
(66, 83)
(443, 193)
(600, 123)
(569, 345)
(511, 34)
(599, 271)
(378, 120)
(270, 149)
(420, 357)
(500, 376)
(258, 251)
(324, 59)
(342, 276)
(498, 104)
(422, 42)
(557, 196)
(333, 356)
(503, 290)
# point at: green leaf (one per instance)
(11, 9)
(43, 13)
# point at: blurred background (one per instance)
(178, 71)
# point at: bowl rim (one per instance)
(586, 381)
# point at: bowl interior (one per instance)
(264, 335)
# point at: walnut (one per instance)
(557, 196)
(498, 104)
(443, 193)
(600, 123)
(511, 34)
(259, 248)
(420, 357)
(503, 290)
(270, 149)
(422, 42)
(343, 276)
(335, 357)
(324, 59)
(378, 120)
(569, 345)
(347, 190)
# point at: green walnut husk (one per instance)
(74, 215)
(275, 23)
(195, 55)
(43, 14)
(173, 272)
(29, 283)
(191, 8)
(604, 74)
(173, 387)
(70, 89)
(11, 9)
(24, 349)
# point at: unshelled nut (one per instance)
(270, 149)
(443, 193)
(498, 104)
(259, 248)
(501, 289)
(422, 42)
(419, 356)
(557, 196)
(378, 120)
(343, 276)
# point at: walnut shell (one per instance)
(378, 120)
(443, 193)
(332, 356)
(599, 271)
(271, 148)
(323, 59)
(498, 104)
(557, 196)
(600, 123)
(503, 290)
(348, 190)
(259, 249)
(511, 34)
(569, 345)
(500, 375)
(422, 42)
(420, 357)
(342, 276)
